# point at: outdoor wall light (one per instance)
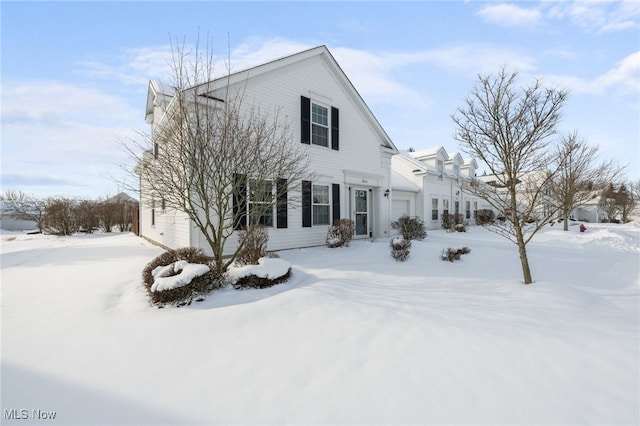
(386, 193)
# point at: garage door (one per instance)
(399, 208)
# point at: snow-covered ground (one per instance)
(353, 338)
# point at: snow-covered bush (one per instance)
(255, 245)
(411, 228)
(178, 276)
(340, 233)
(267, 272)
(400, 248)
(460, 227)
(451, 254)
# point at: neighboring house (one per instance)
(529, 194)
(438, 179)
(350, 153)
(591, 210)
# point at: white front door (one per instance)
(361, 209)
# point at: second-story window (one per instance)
(319, 125)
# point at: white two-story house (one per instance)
(349, 153)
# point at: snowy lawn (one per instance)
(353, 337)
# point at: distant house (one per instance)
(591, 210)
(429, 184)
(351, 163)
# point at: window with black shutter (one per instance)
(319, 124)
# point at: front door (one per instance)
(361, 211)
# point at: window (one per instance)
(445, 206)
(261, 203)
(153, 212)
(475, 209)
(319, 125)
(434, 209)
(440, 166)
(457, 206)
(467, 212)
(320, 200)
(456, 169)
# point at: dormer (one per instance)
(454, 164)
(468, 169)
(434, 158)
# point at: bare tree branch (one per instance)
(510, 131)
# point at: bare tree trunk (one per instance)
(524, 260)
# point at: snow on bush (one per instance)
(451, 254)
(165, 278)
(340, 233)
(177, 276)
(400, 248)
(269, 271)
(411, 228)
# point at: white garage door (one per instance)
(399, 208)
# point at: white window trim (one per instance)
(313, 123)
(250, 203)
(314, 204)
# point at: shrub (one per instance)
(451, 254)
(340, 233)
(199, 285)
(60, 217)
(400, 249)
(485, 217)
(449, 221)
(254, 281)
(86, 216)
(255, 245)
(460, 227)
(410, 228)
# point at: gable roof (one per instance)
(319, 51)
(430, 152)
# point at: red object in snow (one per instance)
(582, 227)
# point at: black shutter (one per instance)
(335, 129)
(281, 203)
(239, 201)
(306, 203)
(335, 202)
(305, 120)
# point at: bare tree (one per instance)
(60, 217)
(25, 207)
(510, 131)
(108, 215)
(86, 215)
(225, 163)
(581, 177)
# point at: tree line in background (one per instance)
(66, 216)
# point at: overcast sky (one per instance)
(75, 74)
